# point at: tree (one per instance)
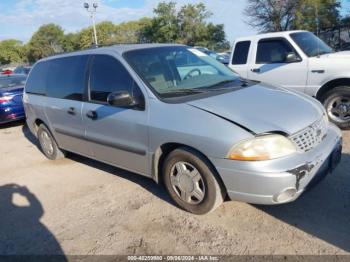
(11, 51)
(271, 15)
(164, 27)
(193, 27)
(282, 15)
(130, 32)
(310, 12)
(105, 34)
(70, 42)
(48, 40)
(187, 26)
(217, 37)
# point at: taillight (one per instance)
(5, 99)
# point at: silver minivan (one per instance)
(176, 115)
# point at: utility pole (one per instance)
(92, 12)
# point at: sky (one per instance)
(20, 18)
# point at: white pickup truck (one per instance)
(301, 61)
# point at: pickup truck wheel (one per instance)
(191, 182)
(48, 144)
(337, 104)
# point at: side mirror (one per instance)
(121, 99)
(292, 58)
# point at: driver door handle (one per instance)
(92, 115)
(255, 70)
(71, 111)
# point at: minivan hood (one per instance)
(262, 109)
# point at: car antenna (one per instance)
(317, 31)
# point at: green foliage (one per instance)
(164, 27)
(11, 51)
(282, 15)
(186, 25)
(271, 15)
(131, 32)
(70, 42)
(311, 12)
(47, 41)
(193, 28)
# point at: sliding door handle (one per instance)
(255, 70)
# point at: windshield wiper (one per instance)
(187, 91)
(218, 86)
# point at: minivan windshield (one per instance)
(180, 71)
(311, 44)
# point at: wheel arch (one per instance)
(330, 85)
(34, 126)
(165, 149)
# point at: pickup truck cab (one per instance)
(301, 61)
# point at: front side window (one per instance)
(178, 71)
(273, 51)
(66, 77)
(36, 83)
(311, 44)
(108, 75)
(240, 55)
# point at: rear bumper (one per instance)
(264, 182)
(9, 114)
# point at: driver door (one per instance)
(271, 65)
(116, 135)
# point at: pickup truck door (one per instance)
(239, 58)
(276, 62)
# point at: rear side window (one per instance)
(36, 83)
(108, 75)
(66, 77)
(240, 55)
(273, 51)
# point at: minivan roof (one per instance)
(120, 49)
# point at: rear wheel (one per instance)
(337, 104)
(48, 144)
(191, 182)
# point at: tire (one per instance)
(48, 144)
(336, 101)
(180, 173)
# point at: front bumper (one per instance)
(263, 182)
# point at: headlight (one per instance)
(262, 148)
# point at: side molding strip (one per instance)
(127, 148)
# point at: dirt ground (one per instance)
(78, 206)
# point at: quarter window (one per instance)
(240, 55)
(273, 51)
(36, 83)
(108, 75)
(66, 77)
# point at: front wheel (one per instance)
(337, 104)
(191, 182)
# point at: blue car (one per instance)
(11, 93)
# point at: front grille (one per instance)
(310, 137)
